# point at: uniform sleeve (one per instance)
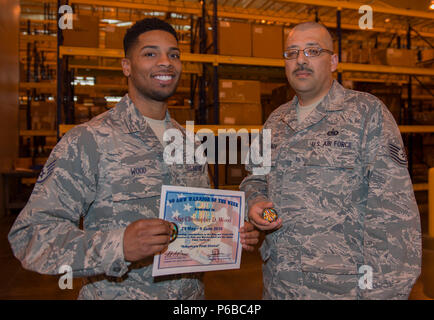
(255, 185)
(392, 234)
(46, 234)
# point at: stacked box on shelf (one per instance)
(427, 58)
(81, 113)
(114, 37)
(182, 114)
(393, 57)
(240, 102)
(427, 54)
(267, 41)
(235, 173)
(356, 54)
(111, 79)
(85, 32)
(235, 39)
(43, 115)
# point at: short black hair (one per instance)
(142, 26)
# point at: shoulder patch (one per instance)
(46, 171)
(397, 154)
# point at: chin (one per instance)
(162, 95)
(301, 87)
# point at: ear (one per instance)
(126, 67)
(334, 62)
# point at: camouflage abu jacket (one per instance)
(340, 183)
(110, 172)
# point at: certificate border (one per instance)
(165, 190)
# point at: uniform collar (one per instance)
(129, 118)
(333, 101)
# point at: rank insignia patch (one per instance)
(46, 172)
(397, 154)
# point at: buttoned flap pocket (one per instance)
(137, 179)
(335, 173)
(137, 196)
(136, 190)
(331, 159)
(193, 175)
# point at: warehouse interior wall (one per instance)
(9, 81)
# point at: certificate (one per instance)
(208, 223)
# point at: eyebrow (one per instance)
(157, 47)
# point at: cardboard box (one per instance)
(85, 32)
(267, 41)
(235, 173)
(110, 79)
(241, 91)
(22, 163)
(356, 55)
(393, 57)
(286, 32)
(43, 115)
(240, 113)
(114, 37)
(427, 54)
(182, 115)
(235, 39)
(427, 59)
(82, 113)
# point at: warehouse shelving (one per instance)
(252, 61)
(334, 14)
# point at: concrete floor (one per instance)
(242, 284)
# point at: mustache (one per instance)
(302, 68)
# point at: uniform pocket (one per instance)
(137, 197)
(192, 175)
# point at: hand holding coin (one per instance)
(174, 231)
(269, 214)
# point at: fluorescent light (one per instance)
(432, 5)
(124, 24)
(113, 99)
(110, 21)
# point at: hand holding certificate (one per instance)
(208, 223)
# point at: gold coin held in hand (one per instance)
(269, 214)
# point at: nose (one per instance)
(164, 60)
(301, 59)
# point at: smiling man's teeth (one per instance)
(163, 78)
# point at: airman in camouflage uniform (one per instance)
(109, 172)
(340, 184)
